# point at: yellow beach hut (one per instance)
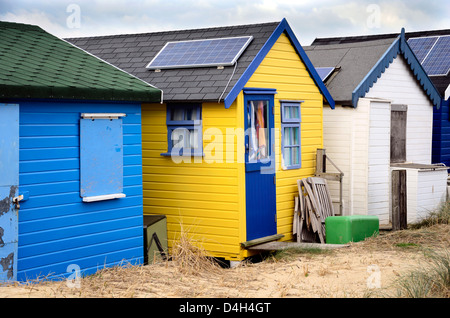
(240, 123)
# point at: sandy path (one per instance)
(344, 272)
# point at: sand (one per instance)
(363, 269)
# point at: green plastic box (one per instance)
(352, 228)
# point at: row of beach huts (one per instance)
(97, 132)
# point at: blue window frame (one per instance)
(291, 134)
(101, 157)
(184, 130)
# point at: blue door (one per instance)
(9, 186)
(259, 164)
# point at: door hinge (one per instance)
(274, 179)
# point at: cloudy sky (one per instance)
(308, 18)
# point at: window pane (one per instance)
(295, 135)
(185, 138)
(287, 136)
(295, 158)
(258, 132)
(178, 138)
(193, 139)
(177, 114)
(287, 156)
(291, 112)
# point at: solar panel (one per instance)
(324, 72)
(438, 60)
(422, 46)
(200, 53)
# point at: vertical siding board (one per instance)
(56, 228)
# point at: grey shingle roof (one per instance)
(440, 82)
(353, 60)
(133, 52)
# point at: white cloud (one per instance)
(308, 18)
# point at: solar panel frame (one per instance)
(422, 46)
(437, 62)
(187, 49)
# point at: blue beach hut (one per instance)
(70, 158)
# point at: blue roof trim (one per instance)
(376, 71)
(282, 27)
(399, 46)
(419, 72)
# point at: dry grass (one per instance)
(190, 258)
(192, 273)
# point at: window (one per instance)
(290, 134)
(258, 120)
(101, 157)
(398, 133)
(184, 130)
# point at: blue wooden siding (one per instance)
(441, 134)
(56, 228)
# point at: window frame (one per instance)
(195, 124)
(291, 123)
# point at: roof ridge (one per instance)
(174, 31)
(20, 26)
(372, 37)
(361, 44)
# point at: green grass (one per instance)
(292, 253)
(431, 280)
(440, 216)
(407, 245)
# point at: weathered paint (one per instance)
(56, 228)
(9, 181)
(205, 197)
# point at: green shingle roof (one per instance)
(36, 64)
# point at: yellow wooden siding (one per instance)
(201, 197)
(206, 198)
(283, 69)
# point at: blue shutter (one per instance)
(101, 158)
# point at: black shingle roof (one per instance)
(132, 52)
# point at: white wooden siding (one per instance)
(379, 161)
(358, 141)
(345, 140)
(400, 86)
(426, 191)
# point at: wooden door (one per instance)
(259, 166)
(9, 188)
